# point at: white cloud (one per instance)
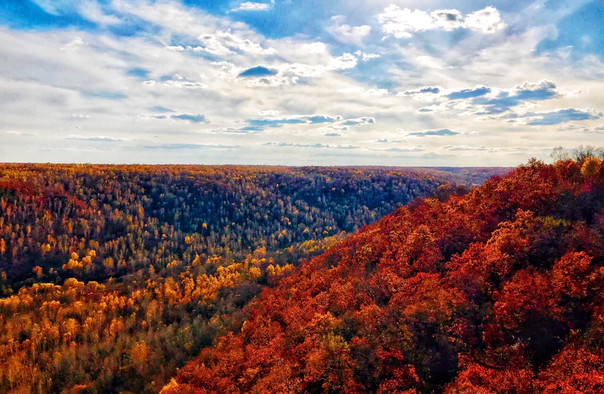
(88, 9)
(271, 81)
(20, 133)
(80, 116)
(313, 146)
(176, 81)
(404, 149)
(101, 138)
(447, 19)
(401, 23)
(251, 6)
(75, 43)
(553, 117)
(269, 112)
(588, 130)
(485, 102)
(514, 150)
(365, 120)
(426, 93)
(289, 73)
(346, 33)
(404, 22)
(344, 62)
(353, 33)
(486, 21)
(314, 48)
(367, 56)
(225, 43)
(92, 11)
(359, 91)
(236, 130)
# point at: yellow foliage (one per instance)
(72, 265)
(173, 385)
(196, 261)
(215, 260)
(254, 273)
(591, 166)
(72, 283)
(108, 262)
(270, 270)
(94, 286)
(287, 269)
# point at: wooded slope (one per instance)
(500, 290)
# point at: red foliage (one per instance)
(574, 369)
(478, 378)
(481, 293)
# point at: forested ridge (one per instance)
(113, 276)
(499, 290)
(141, 215)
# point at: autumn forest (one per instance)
(135, 278)
(112, 277)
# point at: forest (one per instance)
(113, 277)
(498, 290)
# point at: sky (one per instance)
(299, 82)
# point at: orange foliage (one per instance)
(499, 290)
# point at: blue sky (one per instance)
(410, 83)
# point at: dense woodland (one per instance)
(499, 290)
(112, 277)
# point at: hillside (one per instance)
(132, 213)
(499, 290)
(114, 276)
